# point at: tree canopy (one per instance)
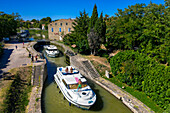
(143, 27)
(8, 24)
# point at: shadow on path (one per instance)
(4, 59)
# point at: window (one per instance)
(69, 29)
(60, 24)
(64, 82)
(66, 23)
(59, 29)
(51, 29)
(55, 23)
(50, 24)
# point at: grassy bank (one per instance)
(139, 95)
(16, 98)
(4, 87)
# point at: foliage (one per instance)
(139, 95)
(103, 53)
(143, 27)
(41, 32)
(96, 31)
(34, 23)
(17, 96)
(93, 19)
(93, 40)
(8, 24)
(84, 27)
(144, 74)
(1, 49)
(79, 35)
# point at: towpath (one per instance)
(13, 57)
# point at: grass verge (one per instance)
(16, 98)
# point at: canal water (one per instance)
(53, 101)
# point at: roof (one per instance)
(72, 79)
(51, 47)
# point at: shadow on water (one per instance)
(99, 102)
(4, 59)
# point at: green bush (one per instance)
(17, 97)
(103, 53)
(144, 74)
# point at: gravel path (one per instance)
(13, 57)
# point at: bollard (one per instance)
(107, 74)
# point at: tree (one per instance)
(100, 28)
(8, 24)
(79, 35)
(93, 19)
(97, 28)
(106, 17)
(94, 41)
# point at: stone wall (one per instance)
(39, 74)
(59, 28)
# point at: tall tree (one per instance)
(100, 28)
(79, 35)
(93, 18)
(93, 40)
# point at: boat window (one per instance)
(64, 83)
(52, 49)
(75, 86)
(58, 78)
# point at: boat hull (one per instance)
(68, 99)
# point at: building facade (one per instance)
(59, 28)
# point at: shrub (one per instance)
(144, 74)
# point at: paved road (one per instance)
(13, 57)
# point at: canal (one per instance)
(53, 101)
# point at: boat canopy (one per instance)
(72, 80)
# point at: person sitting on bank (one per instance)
(79, 85)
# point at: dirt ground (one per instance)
(100, 60)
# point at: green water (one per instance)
(53, 101)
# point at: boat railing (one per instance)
(69, 72)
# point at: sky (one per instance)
(64, 9)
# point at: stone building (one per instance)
(59, 28)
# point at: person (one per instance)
(71, 70)
(66, 70)
(16, 46)
(32, 58)
(36, 57)
(79, 85)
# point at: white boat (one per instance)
(51, 50)
(83, 97)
